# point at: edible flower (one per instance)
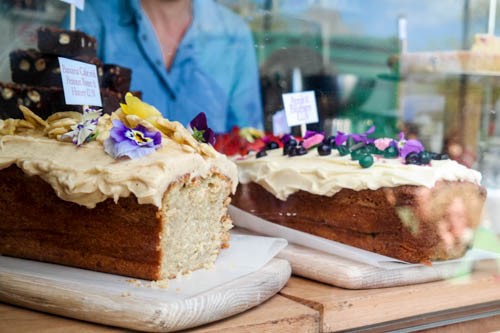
(251, 134)
(134, 106)
(342, 137)
(408, 146)
(383, 143)
(86, 129)
(131, 142)
(313, 140)
(200, 130)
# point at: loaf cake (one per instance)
(129, 193)
(394, 199)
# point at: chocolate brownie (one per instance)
(116, 78)
(34, 68)
(43, 101)
(66, 43)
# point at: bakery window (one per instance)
(398, 67)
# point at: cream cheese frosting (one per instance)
(326, 175)
(86, 175)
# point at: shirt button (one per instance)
(158, 62)
(144, 37)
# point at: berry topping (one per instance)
(324, 149)
(272, 145)
(425, 157)
(413, 158)
(343, 150)
(330, 141)
(391, 152)
(358, 154)
(261, 153)
(301, 150)
(366, 161)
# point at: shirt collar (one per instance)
(129, 11)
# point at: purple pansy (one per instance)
(408, 146)
(131, 142)
(201, 131)
(363, 137)
(342, 137)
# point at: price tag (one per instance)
(80, 82)
(300, 108)
(80, 4)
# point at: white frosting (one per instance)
(327, 175)
(87, 175)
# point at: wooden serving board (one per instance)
(118, 301)
(345, 273)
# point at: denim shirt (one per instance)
(214, 70)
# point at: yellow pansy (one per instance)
(134, 106)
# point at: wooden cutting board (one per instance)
(345, 273)
(118, 301)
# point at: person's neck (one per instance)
(171, 19)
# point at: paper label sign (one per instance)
(80, 83)
(300, 108)
(80, 4)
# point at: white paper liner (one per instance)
(246, 254)
(261, 226)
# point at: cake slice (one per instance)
(94, 202)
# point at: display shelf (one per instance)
(419, 306)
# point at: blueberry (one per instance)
(413, 158)
(439, 156)
(301, 150)
(324, 149)
(366, 161)
(293, 151)
(434, 156)
(287, 148)
(261, 153)
(358, 154)
(444, 156)
(292, 142)
(425, 157)
(343, 150)
(391, 152)
(272, 145)
(330, 141)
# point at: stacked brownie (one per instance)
(37, 80)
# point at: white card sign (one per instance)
(80, 82)
(80, 4)
(300, 108)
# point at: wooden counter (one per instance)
(425, 305)
(465, 304)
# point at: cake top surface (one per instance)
(89, 158)
(312, 170)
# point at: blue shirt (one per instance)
(214, 70)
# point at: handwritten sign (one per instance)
(300, 108)
(80, 4)
(80, 82)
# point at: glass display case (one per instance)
(428, 69)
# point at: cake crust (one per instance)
(411, 223)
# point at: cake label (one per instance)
(80, 82)
(78, 3)
(300, 108)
